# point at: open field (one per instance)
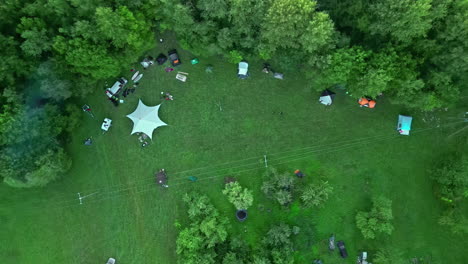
(128, 217)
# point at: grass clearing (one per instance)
(128, 217)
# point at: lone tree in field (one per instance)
(378, 220)
(316, 194)
(242, 198)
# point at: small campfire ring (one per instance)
(161, 178)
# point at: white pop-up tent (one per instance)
(145, 119)
(326, 97)
(404, 124)
(243, 70)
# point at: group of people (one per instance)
(167, 96)
(142, 137)
(127, 91)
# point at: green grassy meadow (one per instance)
(128, 217)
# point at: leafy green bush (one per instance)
(234, 56)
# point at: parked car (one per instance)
(110, 261)
(341, 247)
(116, 88)
(174, 58)
(243, 71)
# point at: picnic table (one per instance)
(181, 77)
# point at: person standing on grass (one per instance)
(299, 174)
(169, 97)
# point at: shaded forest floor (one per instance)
(222, 126)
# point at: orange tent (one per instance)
(363, 101)
(371, 104)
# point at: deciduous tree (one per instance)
(279, 187)
(316, 194)
(196, 243)
(450, 175)
(51, 84)
(377, 220)
(242, 198)
(297, 25)
(402, 20)
(36, 37)
(31, 155)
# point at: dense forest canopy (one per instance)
(415, 52)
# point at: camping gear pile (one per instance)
(148, 61)
(142, 138)
(161, 59)
(267, 69)
(135, 78)
(88, 142)
(366, 102)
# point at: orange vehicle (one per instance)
(366, 102)
(363, 101)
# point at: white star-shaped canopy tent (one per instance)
(145, 119)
